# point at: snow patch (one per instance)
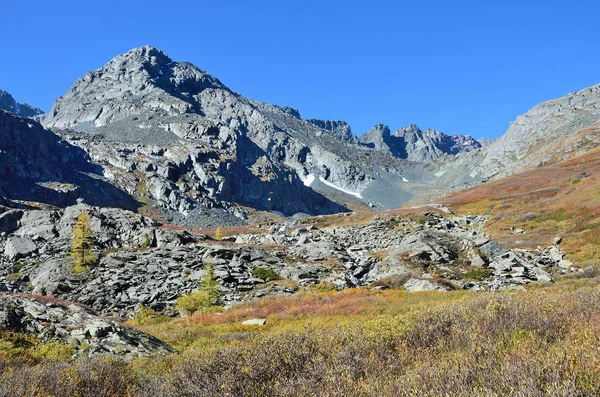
(404, 179)
(355, 194)
(440, 173)
(310, 178)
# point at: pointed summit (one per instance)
(431, 144)
(379, 138)
(141, 80)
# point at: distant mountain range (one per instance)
(166, 136)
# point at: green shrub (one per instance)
(145, 241)
(478, 274)
(144, 315)
(265, 274)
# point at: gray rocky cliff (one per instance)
(415, 145)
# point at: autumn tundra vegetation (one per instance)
(539, 342)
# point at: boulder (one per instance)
(87, 333)
(255, 321)
(19, 247)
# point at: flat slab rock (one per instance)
(255, 321)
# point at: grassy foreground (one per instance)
(543, 341)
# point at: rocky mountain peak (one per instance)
(413, 144)
(141, 80)
(377, 133)
(411, 129)
(147, 57)
(8, 103)
(430, 144)
(379, 138)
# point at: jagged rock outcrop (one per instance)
(8, 103)
(53, 320)
(430, 145)
(415, 145)
(339, 129)
(379, 138)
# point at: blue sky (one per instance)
(465, 67)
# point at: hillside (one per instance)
(558, 200)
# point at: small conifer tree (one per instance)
(218, 233)
(204, 299)
(81, 242)
(210, 285)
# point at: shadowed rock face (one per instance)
(8, 103)
(38, 165)
(339, 129)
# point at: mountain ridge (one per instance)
(175, 137)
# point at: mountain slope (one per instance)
(548, 133)
(534, 207)
(178, 136)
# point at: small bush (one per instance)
(478, 274)
(265, 274)
(145, 241)
(144, 315)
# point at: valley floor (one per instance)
(542, 341)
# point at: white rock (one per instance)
(255, 321)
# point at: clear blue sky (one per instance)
(458, 66)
